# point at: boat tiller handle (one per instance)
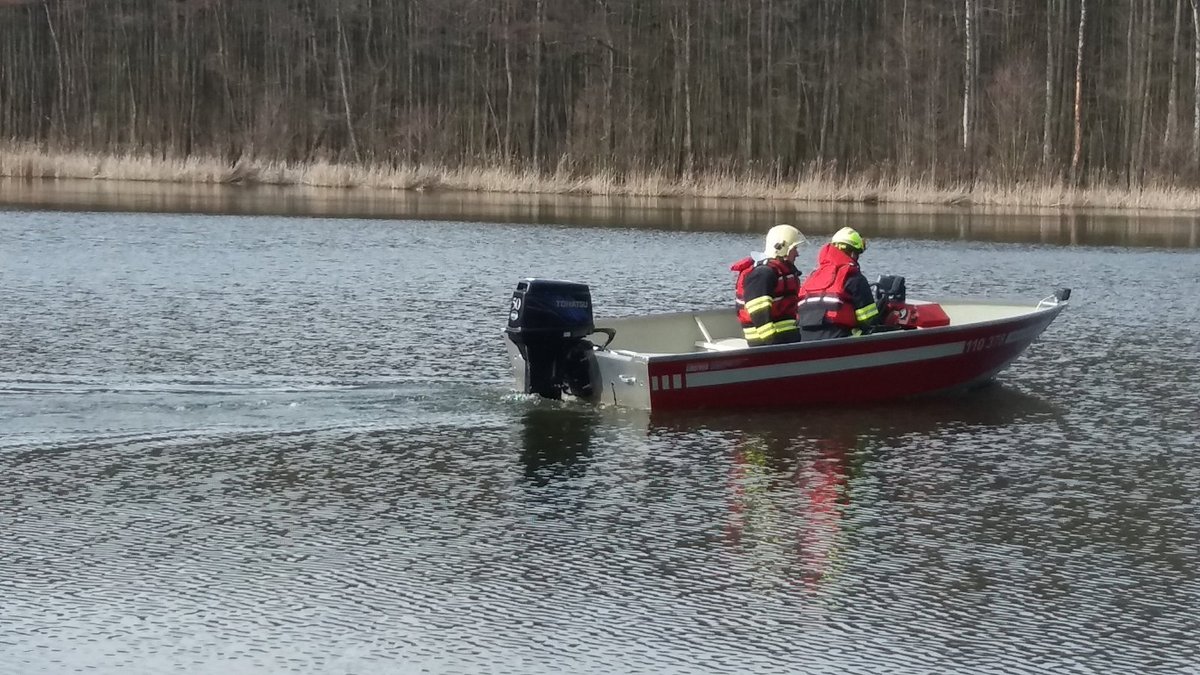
(610, 332)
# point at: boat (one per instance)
(698, 359)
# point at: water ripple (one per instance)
(291, 457)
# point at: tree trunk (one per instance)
(906, 100)
(767, 79)
(340, 54)
(61, 104)
(689, 155)
(1048, 97)
(748, 139)
(537, 87)
(233, 147)
(508, 84)
(412, 95)
(1077, 152)
(1128, 109)
(827, 75)
(610, 68)
(968, 77)
(1172, 82)
(1195, 156)
(1139, 163)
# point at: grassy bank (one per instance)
(34, 163)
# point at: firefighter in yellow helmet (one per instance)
(836, 299)
(766, 289)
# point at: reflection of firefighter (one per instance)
(789, 503)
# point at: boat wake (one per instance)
(53, 412)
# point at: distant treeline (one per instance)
(931, 90)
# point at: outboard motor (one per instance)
(889, 289)
(548, 322)
(892, 299)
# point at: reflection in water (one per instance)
(556, 442)
(1012, 225)
(788, 500)
(793, 480)
(994, 404)
(246, 445)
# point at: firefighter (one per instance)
(767, 287)
(836, 299)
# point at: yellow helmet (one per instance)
(850, 237)
(781, 239)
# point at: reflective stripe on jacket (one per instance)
(766, 300)
(824, 299)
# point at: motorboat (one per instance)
(699, 359)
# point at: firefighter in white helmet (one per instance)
(766, 289)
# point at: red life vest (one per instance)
(823, 298)
(783, 296)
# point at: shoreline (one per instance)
(33, 164)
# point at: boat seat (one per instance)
(708, 344)
(722, 345)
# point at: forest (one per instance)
(941, 91)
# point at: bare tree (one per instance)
(1195, 155)
(1077, 152)
(1048, 96)
(911, 89)
(968, 74)
(538, 52)
(1172, 81)
(340, 50)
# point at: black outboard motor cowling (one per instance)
(890, 289)
(548, 321)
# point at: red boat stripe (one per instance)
(776, 371)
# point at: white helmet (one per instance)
(781, 239)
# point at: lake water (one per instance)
(239, 440)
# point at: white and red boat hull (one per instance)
(691, 360)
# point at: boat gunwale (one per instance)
(887, 336)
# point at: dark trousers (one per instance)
(824, 332)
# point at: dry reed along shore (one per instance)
(34, 163)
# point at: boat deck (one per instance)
(717, 330)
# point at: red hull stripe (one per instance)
(818, 366)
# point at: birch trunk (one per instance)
(1139, 163)
(1048, 95)
(906, 100)
(58, 65)
(537, 88)
(1077, 151)
(508, 83)
(340, 54)
(1196, 87)
(689, 155)
(748, 138)
(1172, 82)
(968, 76)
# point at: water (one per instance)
(262, 443)
(1162, 229)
